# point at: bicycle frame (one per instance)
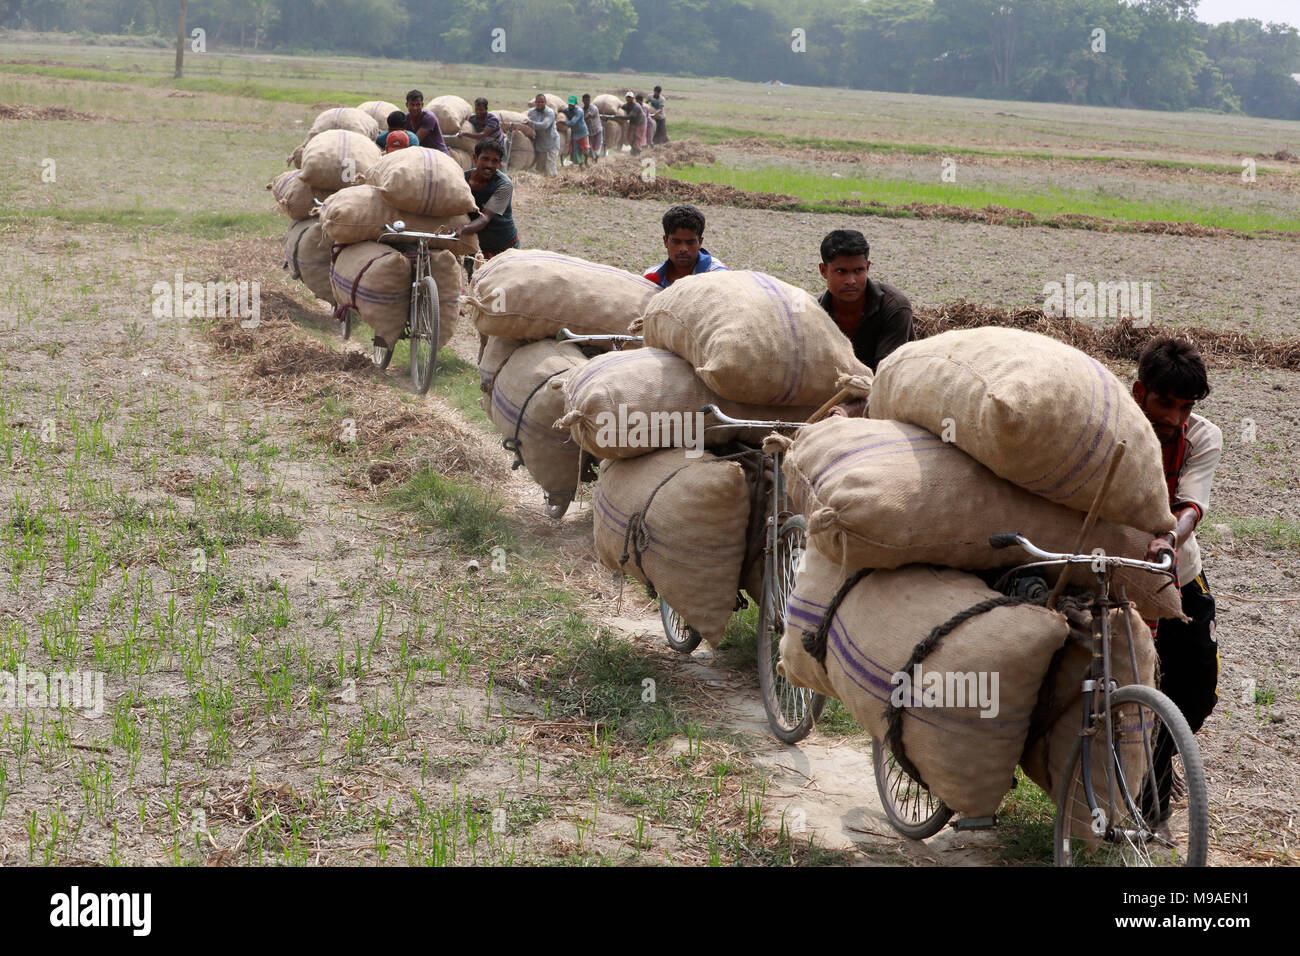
(1097, 684)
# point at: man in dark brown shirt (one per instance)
(875, 317)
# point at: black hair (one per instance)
(413, 94)
(397, 119)
(481, 101)
(845, 242)
(684, 217)
(659, 89)
(489, 144)
(586, 96)
(1170, 366)
(640, 97)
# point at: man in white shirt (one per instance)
(1171, 380)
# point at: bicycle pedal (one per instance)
(975, 823)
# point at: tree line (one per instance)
(1150, 54)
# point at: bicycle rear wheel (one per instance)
(424, 333)
(1161, 813)
(913, 810)
(791, 710)
(681, 636)
(382, 355)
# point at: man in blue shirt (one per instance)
(683, 238)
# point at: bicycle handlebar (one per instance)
(398, 230)
(1164, 566)
(726, 421)
(564, 335)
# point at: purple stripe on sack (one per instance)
(511, 412)
(618, 518)
(591, 369)
(1073, 464)
(789, 370)
(909, 444)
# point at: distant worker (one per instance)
(659, 116)
(397, 136)
(493, 194)
(595, 128)
(423, 123)
(683, 238)
(487, 126)
(546, 141)
(575, 120)
(874, 316)
(635, 121)
(648, 125)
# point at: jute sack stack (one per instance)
(378, 110)
(753, 338)
(374, 279)
(678, 526)
(527, 398)
(1058, 721)
(359, 213)
(626, 404)
(337, 158)
(533, 294)
(452, 111)
(607, 103)
(307, 257)
(464, 158)
(963, 732)
(881, 494)
(294, 197)
(492, 356)
(1033, 410)
(427, 182)
(520, 119)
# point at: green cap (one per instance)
(573, 100)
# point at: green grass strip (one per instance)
(204, 225)
(1044, 202)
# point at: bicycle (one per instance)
(1159, 818)
(423, 323)
(791, 711)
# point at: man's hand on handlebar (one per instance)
(854, 409)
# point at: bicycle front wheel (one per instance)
(912, 809)
(424, 333)
(791, 710)
(1160, 816)
(681, 636)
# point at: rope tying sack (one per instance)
(513, 444)
(894, 715)
(341, 310)
(814, 642)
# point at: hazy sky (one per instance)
(1269, 11)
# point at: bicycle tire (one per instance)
(347, 324)
(1133, 839)
(680, 635)
(912, 810)
(425, 327)
(557, 505)
(791, 711)
(382, 355)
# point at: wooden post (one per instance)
(180, 41)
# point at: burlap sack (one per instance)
(1034, 410)
(464, 158)
(966, 737)
(446, 270)
(532, 294)
(294, 159)
(625, 404)
(1059, 718)
(338, 157)
(527, 398)
(609, 104)
(294, 197)
(307, 257)
(359, 213)
(378, 110)
(375, 280)
(752, 338)
(494, 355)
(423, 181)
(451, 110)
(883, 494)
(345, 117)
(520, 119)
(681, 523)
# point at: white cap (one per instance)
(630, 95)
